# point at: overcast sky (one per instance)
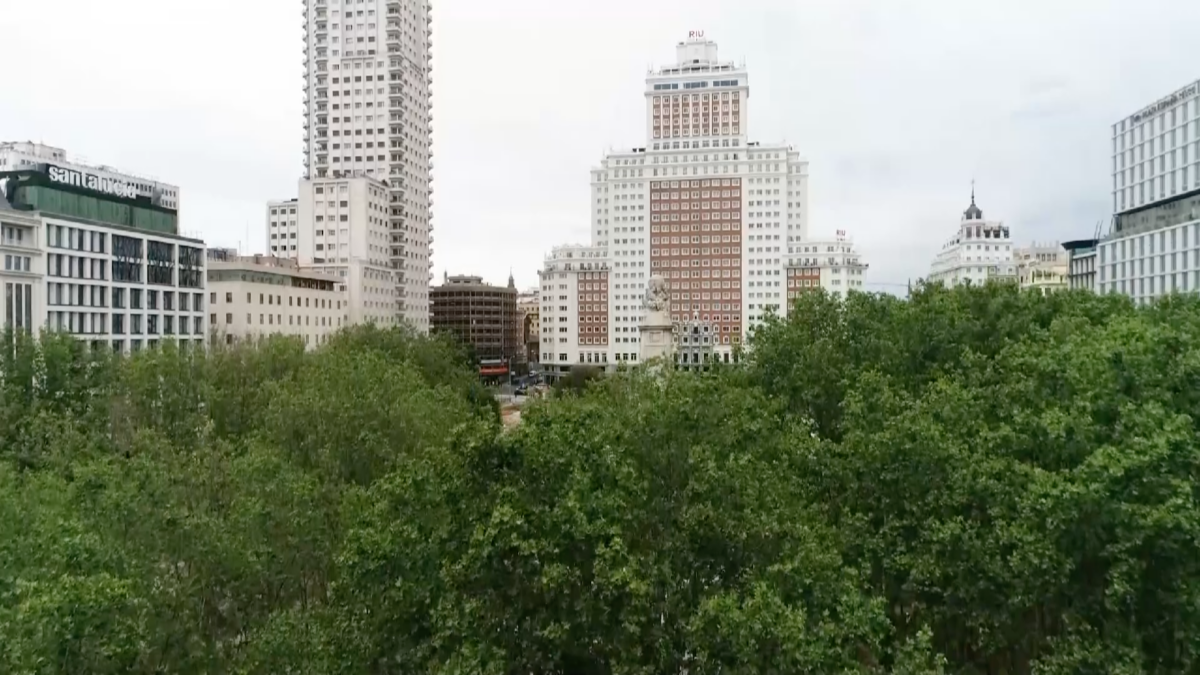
(897, 106)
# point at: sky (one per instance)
(897, 106)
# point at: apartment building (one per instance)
(282, 228)
(252, 297)
(342, 230)
(575, 284)
(368, 113)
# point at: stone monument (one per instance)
(657, 330)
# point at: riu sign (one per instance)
(695, 34)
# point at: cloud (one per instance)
(897, 106)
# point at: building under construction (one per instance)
(483, 317)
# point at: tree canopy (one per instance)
(974, 480)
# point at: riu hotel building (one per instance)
(721, 217)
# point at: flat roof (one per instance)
(283, 270)
(114, 226)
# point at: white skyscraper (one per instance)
(723, 219)
(368, 114)
(1156, 152)
(739, 202)
(1152, 248)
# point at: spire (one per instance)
(973, 212)
(511, 282)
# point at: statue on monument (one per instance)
(657, 330)
(658, 295)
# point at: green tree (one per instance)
(975, 480)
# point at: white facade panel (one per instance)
(1156, 151)
(125, 288)
(1149, 265)
(22, 272)
(255, 297)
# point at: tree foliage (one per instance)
(974, 480)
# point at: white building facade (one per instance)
(368, 113)
(282, 228)
(252, 297)
(1156, 253)
(113, 270)
(15, 156)
(833, 265)
(699, 203)
(574, 317)
(1156, 151)
(1153, 246)
(343, 231)
(23, 272)
(129, 289)
(980, 251)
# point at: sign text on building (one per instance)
(695, 34)
(1167, 102)
(89, 181)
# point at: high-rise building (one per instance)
(1156, 151)
(717, 215)
(368, 113)
(980, 251)
(1153, 246)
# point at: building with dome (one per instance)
(980, 251)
